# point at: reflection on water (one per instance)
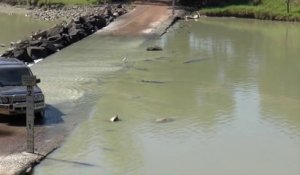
(231, 87)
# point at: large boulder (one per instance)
(100, 22)
(91, 20)
(65, 41)
(77, 26)
(56, 30)
(65, 30)
(76, 34)
(108, 11)
(39, 35)
(83, 19)
(121, 12)
(35, 42)
(37, 52)
(8, 54)
(109, 19)
(88, 28)
(58, 46)
(50, 47)
(119, 6)
(22, 55)
(56, 37)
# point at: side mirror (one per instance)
(38, 81)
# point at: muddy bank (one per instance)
(44, 43)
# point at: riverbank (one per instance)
(266, 10)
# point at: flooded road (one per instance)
(228, 89)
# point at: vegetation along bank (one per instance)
(283, 10)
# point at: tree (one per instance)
(32, 2)
(288, 6)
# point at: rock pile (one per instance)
(49, 41)
(57, 11)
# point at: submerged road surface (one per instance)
(143, 20)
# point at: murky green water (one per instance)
(16, 27)
(230, 86)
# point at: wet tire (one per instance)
(40, 114)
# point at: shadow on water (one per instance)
(152, 81)
(194, 61)
(52, 116)
(73, 162)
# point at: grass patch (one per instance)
(268, 9)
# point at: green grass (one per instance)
(268, 9)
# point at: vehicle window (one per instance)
(13, 76)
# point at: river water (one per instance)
(229, 88)
(15, 27)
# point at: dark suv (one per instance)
(13, 93)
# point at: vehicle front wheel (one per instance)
(40, 114)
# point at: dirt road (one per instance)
(143, 20)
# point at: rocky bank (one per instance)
(82, 21)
